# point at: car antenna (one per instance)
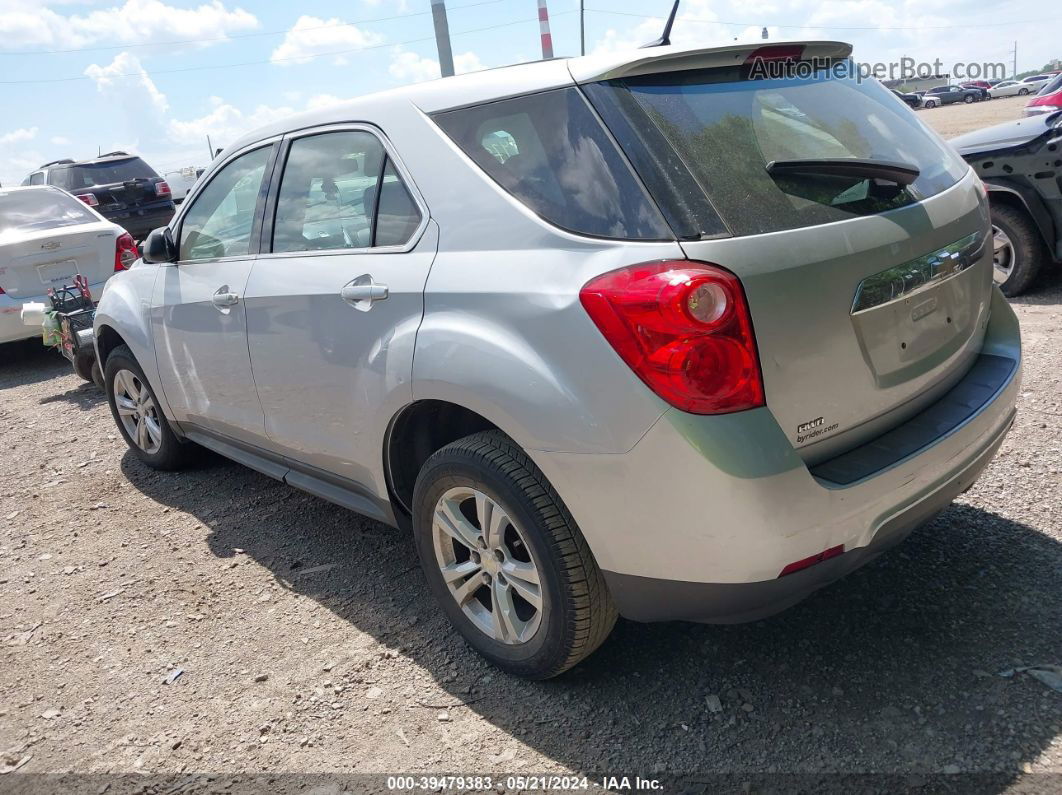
(665, 37)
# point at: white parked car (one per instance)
(1011, 88)
(46, 238)
(182, 180)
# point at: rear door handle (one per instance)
(223, 299)
(362, 292)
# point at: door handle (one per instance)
(362, 292)
(223, 299)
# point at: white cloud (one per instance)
(126, 79)
(311, 36)
(408, 67)
(224, 123)
(29, 25)
(18, 136)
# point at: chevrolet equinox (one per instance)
(651, 334)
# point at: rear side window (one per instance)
(549, 151)
(727, 128)
(30, 210)
(88, 175)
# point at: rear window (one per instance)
(727, 129)
(87, 175)
(1051, 86)
(30, 210)
(550, 152)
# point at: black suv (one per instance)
(121, 187)
(1017, 161)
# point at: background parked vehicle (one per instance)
(1011, 88)
(911, 100)
(121, 187)
(1026, 207)
(182, 180)
(979, 86)
(946, 95)
(322, 308)
(47, 238)
(1034, 80)
(1048, 100)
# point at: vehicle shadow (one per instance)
(893, 669)
(29, 362)
(85, 396)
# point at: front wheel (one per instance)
(505, 559)
(137, 414)
(1018, 251)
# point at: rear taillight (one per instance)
(162, 189)
(684, 328)
(125, 252)
(89, 199)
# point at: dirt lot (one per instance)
(952, 120)
(219, 621)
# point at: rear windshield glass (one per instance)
(29, 210)
(87, 175)
(550, 152)
(727, 129)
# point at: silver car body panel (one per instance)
(484, 312)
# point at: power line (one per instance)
(277, 60)
(826, 27)
(242, 35)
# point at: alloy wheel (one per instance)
(1002, 255)
(137, 411)
(487, 566)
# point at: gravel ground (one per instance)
(955, 119)
(219, 621)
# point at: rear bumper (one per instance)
(699, 519)
(651, 599)
(12, 328)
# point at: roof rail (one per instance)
(115, 152)
(65, 161)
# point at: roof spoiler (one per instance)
(671, 59)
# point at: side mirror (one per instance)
(159, 246)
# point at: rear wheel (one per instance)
(505, 559)
(968, 99)
(1023, 92)
(137, 414)
(1018, 252)
(84, 362)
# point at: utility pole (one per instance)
(543, 24)
(442, 37)
(1015, 53)
(582, 27)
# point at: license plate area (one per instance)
(56, 274)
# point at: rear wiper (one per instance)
(900, 173)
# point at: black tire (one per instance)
(172, 453)
(1030, 253)
(84, 361)
(577, 611)
(968, 99)
(1023, 92)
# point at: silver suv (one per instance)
(644, 335)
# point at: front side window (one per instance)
(221, 218)
(35, 179)
(551, 153)
(339, 190)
